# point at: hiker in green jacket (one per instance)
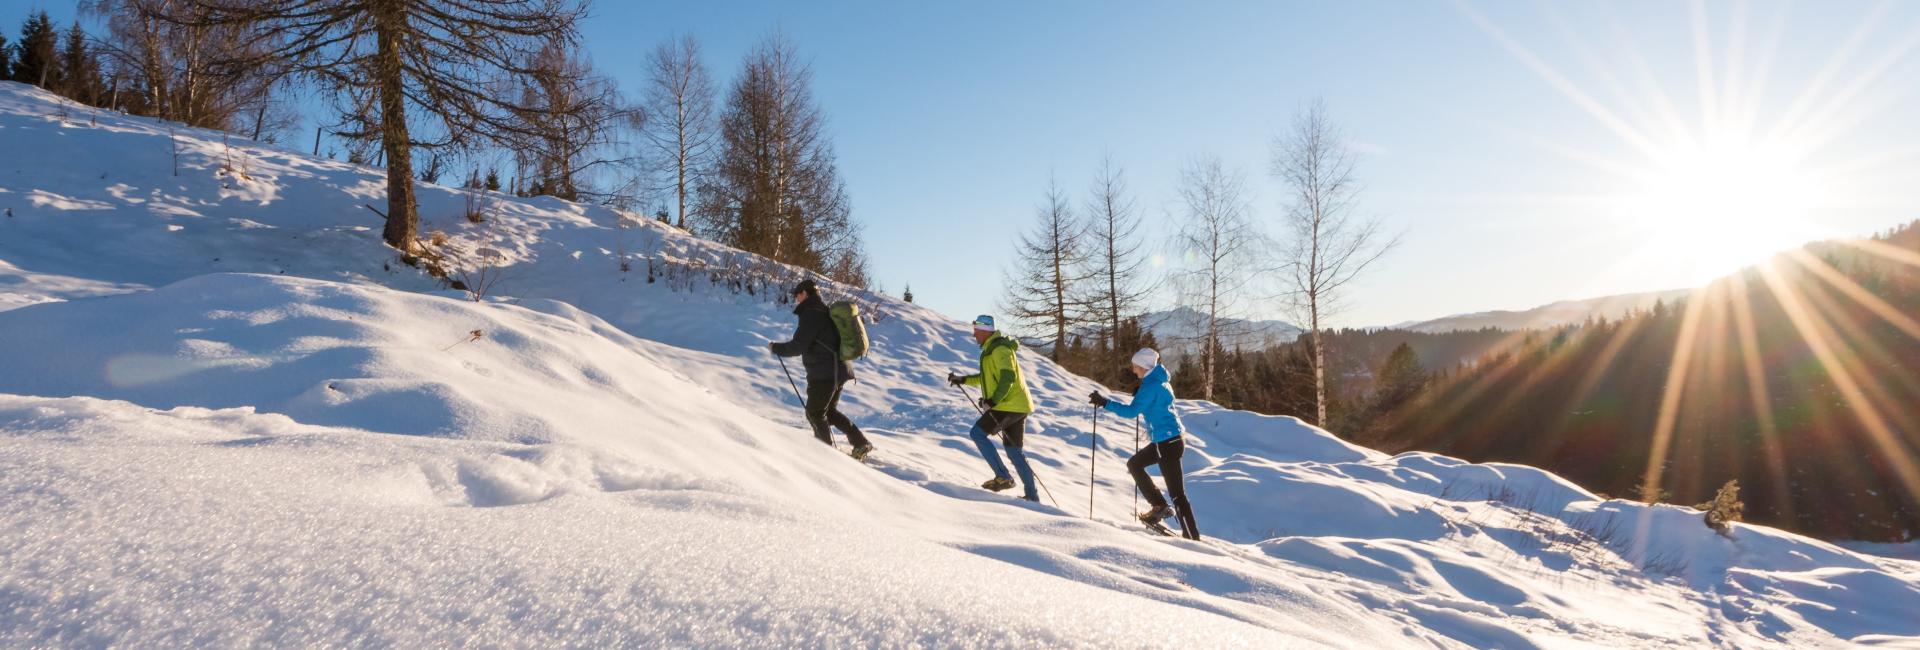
(1004, 406)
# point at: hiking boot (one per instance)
(998, 483)
(860, 452)
(1154, 516)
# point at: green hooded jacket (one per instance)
(1000, 379)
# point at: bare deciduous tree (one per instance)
(1115, 262)
(1327, 245)
(185, 68)
(1218, 240)
(573, 121)
(444, 62)
(1045, 288)
(680, 119)
(775, 189)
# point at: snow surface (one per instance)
(228, 416)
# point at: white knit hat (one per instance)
(1146, 358)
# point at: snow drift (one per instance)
(229, 416)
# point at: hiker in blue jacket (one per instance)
(1154, 401)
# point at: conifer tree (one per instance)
(36, 56)
(1045, 290)
(436, 65)
(79, 69)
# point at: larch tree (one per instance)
(1328, 245)
(775, 188)
(680, 118)
(449, 64)
(1045, 289)
(571, 124)
(1116, 263)
(1218, 240)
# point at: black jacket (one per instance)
(817, 343)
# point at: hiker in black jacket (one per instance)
(817, 343)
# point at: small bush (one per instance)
(1725, 508)
(1652, 493)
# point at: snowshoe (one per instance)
(998, 483)
(860, 452)
(1154, 516)
(1160, 529)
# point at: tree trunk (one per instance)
(680, 162)
(1059, 305)
(1314, 289)
(1319, 368)
(390, 24)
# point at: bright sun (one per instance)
(1724, 203)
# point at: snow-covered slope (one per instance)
(228, 416)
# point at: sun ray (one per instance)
(1704, 82)
(1856, 342)
(1591, 380)
(1559, 82)
(1675, 388)
(1846, 286)
(1731, 91)
(1762, 69)
(1669, 414)
(1817, 87)
(1886, 251)
(1759, 395)
(1846, 96)
(1629, 50)
(1660, 111)
(1807, 324)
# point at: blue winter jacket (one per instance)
(1155, 401)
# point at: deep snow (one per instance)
(229, 416)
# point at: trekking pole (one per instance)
(969, 399)
(1136, 449)
(1093, 458)
(790, 384)
(1036, 477)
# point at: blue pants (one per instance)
(1012, 429)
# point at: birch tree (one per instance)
(680, 118)
(573, 120)
(1327, 244)
(1217, 238)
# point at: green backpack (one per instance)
(853, 332)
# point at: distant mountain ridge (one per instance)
(1555, 314)
(1181, 328)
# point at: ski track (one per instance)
(229, 417)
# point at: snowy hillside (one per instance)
(228, 416)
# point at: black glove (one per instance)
(1097, 399)
(986, 403)
(773, 346)
(955, 379)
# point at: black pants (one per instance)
(1167, 456)
(823, 408)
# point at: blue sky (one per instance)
(1528, 152)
